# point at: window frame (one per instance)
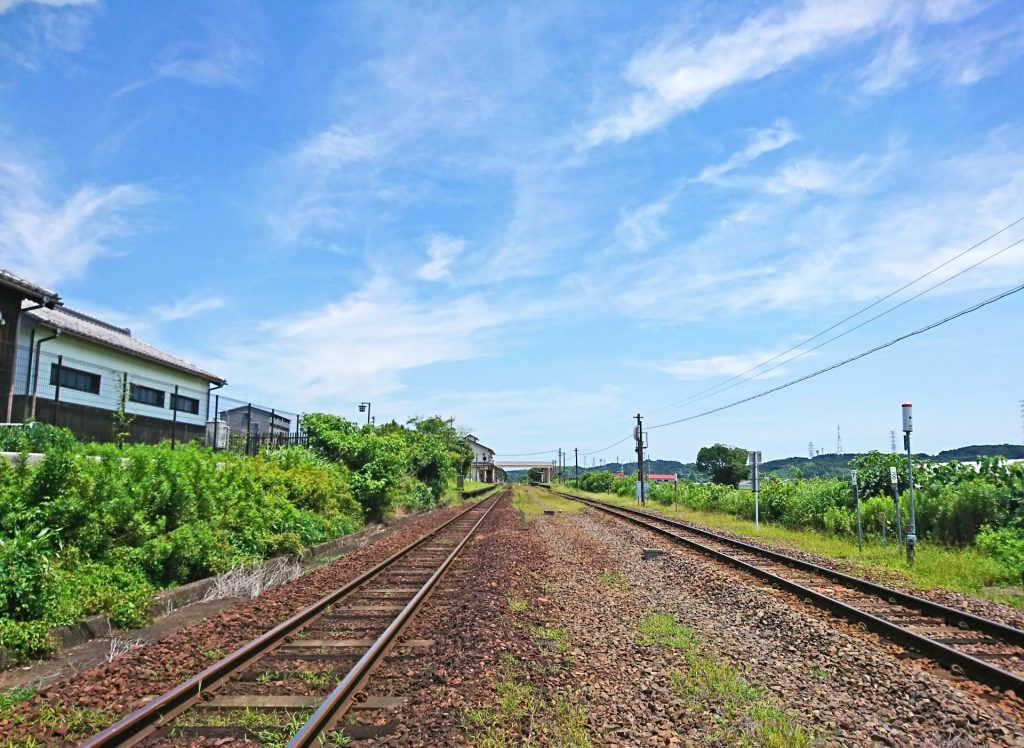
(177, 399)
(161, 401)
(70, 379)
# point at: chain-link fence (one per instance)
(100, 403)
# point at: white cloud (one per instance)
(795, 255)
(6, 5)
(443, 251)
(360, 345)
(678, 78)
(221, 59)
(50, 242)
(336, 146)
(719, 366)
(187, 307)
(638, 229)
(892, 68)
(778, 135)
(46, 27)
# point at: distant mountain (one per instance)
(820, 466)
(823, 466)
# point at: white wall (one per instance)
(92, 357)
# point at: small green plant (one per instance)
(556, 637)
(612, 579)
(744, 716)
(523, 715)
(216, 653)
(11, 698)
(516, 605)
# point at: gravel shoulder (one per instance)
(845, 685)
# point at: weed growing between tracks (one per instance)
(742, 715)
(528, 709)
(524, 716)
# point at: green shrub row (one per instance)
(94, 529)
(955, 504)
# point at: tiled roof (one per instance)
(83, 326)
(27, 288)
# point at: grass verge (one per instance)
(964, 570)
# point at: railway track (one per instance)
(297, 681)
(980, 649)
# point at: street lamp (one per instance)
(365, 408)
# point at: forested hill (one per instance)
(820, 466)
(834, 465)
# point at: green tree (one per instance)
(725, 465)
(873, 472)
(534, 475)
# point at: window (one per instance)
(146, 395)
(185, 404)
(75, 379)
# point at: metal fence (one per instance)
(102, 403)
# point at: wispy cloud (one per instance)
(443, 251)
(51, 241)
(719, 366)
(222, 59)
(362, 343)
(821, 250)
(6, 5)
(675, 78)
(891, 68)
(37, 28)
(187, 307)
(337, 146)
(778, 135)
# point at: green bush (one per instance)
(21, 641)
(1006, 546)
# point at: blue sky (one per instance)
(540, 218)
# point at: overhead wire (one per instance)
(710, 390)
(851, 359)
(860, 325)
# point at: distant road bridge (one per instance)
(544, 467)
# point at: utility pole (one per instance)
(908, 426)
(638, 432)
(559, 463)
(839, 443)
(892, 441)
(576, 450)
(810, 450)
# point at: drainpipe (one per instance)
(14, 358)
(28, 374)
(210, 387)
(35, 385)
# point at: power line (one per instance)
(531, 454)
(868, 321)
(696, 396)
(603, 449)
(861, 355)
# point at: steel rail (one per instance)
(334, 706)
(977, 669)
(136, 726)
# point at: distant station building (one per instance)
(483, 468)
(661, 478)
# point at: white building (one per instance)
(483, 469)
(74, 370)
